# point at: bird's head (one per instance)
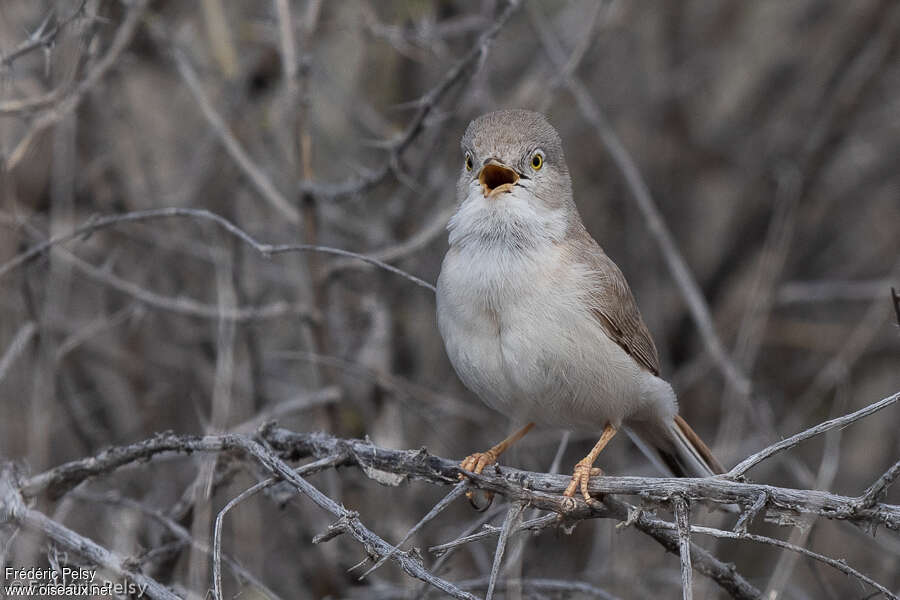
(514, 179)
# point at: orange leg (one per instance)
(478, 461)
(584, 468)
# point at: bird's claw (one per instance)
(581, 476)
(476, 463)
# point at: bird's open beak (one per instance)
(496, 178)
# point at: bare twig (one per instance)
(182, 535)
(14, 509)
(97, 326)
(16, 347)
(570, 589)
(830, 290)
(64, 477)
(488, 531)
(753, 460)
(878, 490)
(750, 513)
(683, 526)
(183, 305)
(43, 37)
(235, 150)
(122, 39)
(308, 469)
(438, 508)
(349, 521)
(840, 565)
(415, 243)
(266, 250)
(540, 490)
(509, 524)
(303, 401)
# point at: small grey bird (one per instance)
(537, 320)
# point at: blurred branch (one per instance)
(267, 250)
(17, 346)
(188, 306)
(830, 290)
(233, 147)
(309, 469)
(53, 115)
(409, 247)
(180, 533)
(753, 460)
(42, 37)
(840, 565)
(461, 72)
(13, 509)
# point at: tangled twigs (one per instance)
(14, 509)
(271, 447)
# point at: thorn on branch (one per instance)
(748, 515)
(335, 529)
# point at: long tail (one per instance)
(677, 449)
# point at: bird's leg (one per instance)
(584, 468)
(478, 461)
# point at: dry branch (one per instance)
(521, 488)
(14, 509)
(42, 37)
(266, 250)
(753, 460)
(68, 104)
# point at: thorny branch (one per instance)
(273, 446)
(266, 250)
(43, 37)
(121, 40)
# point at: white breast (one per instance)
(520, 336)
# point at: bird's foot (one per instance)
(476, 463)
(581, 476)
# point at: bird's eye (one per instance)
(537, 161)
(469, 163)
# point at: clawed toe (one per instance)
(476, 463)
(581, 477)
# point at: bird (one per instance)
(537, 320)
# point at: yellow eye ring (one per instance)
(469, 164)
(537, 161)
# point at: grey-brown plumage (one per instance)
(537, 320)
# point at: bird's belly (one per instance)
(537, 361)
(567, 372)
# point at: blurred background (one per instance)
(768, 134)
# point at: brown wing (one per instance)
(617, 312)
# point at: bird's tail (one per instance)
(677, 449)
